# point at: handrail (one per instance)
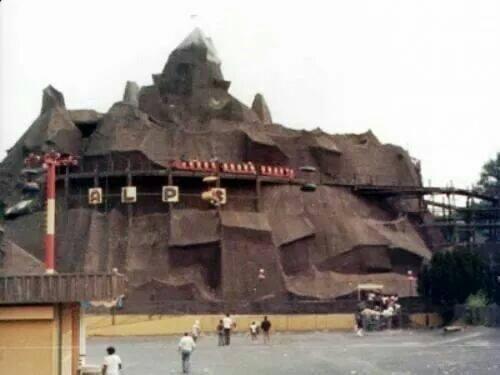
(64, 287)
(376, 183)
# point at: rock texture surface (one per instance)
(318, 244)
(16, 261)
(259, 106)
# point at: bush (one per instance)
(476, 308)
(452, 276)
(477, 300)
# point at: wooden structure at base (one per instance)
(369, 287)
(41, 330)
(61, 288)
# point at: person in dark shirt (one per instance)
(220, 333)
(266, 328)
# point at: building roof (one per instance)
(58, 288)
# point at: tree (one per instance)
(488, 184)
(489, 181)
(452, 276)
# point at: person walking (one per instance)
(228, 324)
(358, 325)
(112, 363)
(196, 330)
(266, 328)
(254, 331)
(220, 333)
(186, 348)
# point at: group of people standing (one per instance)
(226, 326)
(378, 308)
(187, 344)
(265, 327)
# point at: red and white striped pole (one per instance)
(50, 244)
(50, 161)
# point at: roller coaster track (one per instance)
(419, 191)
(384, 186)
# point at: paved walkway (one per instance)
(475, 351)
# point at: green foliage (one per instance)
(489, 182)
(476, 304)
(451, 277)
(477, 300)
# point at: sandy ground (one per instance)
(474, 351)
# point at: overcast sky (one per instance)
(421, 74)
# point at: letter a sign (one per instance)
(170, 194)
(95, 196)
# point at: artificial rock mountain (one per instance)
(318, 244)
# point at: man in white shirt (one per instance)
(186, 347)
(112, 363)
(389, 312)
(228, 324)
(254, 330)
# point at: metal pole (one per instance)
(83, 337)
(51, 217)
(50, 161)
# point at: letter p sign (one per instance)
(170, 194)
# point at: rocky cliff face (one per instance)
(319, 244)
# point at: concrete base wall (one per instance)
(425, 320)
(145, 325)
(138, 325)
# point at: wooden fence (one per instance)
(69, 287)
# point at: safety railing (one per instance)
(64, 287)
(367, 180)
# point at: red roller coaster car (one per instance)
(246, 168)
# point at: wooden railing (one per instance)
(65, 287)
